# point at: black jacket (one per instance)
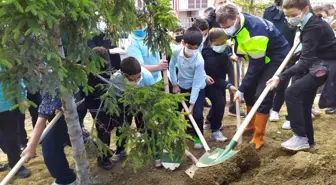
(216, 65)
(100, 41)
(277, 17)
(211, 19)
(318, 44)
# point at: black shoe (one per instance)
(232, 112)
(23, 173)
(330, 110)
(3, 167)
(105, 163)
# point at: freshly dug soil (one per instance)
(271, 165)
(230, 170)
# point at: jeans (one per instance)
(299, 100)
(198, 110)
(215, 116)
(53, 153)
(9, 122)
(255, 90)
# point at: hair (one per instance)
(102, 52)
(180, 29)
(299, 4)
(201, 24)
(318, 9)
(226, 12)
(130, 66)
(193, 36)
(278, 2)
(208, 10)
(328, 6)
(216, 33)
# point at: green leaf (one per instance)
(18, 7)
(5, 63)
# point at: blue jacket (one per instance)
(5, 105)
(142, 53)
(261, 43)
(191, 74)
(277, 17)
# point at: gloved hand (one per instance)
(239, 95)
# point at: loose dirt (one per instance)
(269, 166)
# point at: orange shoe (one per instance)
(260, 126)
(250, 126)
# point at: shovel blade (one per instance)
(216, 157)
(191, 171)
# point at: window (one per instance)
(195, 4)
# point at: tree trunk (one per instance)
(76, 139)
(74, 129)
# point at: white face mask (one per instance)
(232, 30)
(219, 49)
(190, 52)
(295, 21)
(138, 83)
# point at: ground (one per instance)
(269, 166)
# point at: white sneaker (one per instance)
(274, 116)
(118, 157)
(286, 125)
(158, 163)
(296, 143)
(218, 136)
(73, 183)
(315, 112)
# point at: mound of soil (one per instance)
(229, 171)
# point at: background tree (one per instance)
(54, 34)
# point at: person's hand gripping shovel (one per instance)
(219, 155)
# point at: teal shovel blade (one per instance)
(217, 156)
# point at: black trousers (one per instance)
(9, 122)
(36, 98)
(104, 126)
(299, 100)
(198, 110)
(215, 94)
(255, 90)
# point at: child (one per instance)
(203, 25)
(9, 124)
(177, 39)
(216, 59)
(131, 72)
(139, 50)
(191, 77)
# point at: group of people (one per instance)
(203, 56)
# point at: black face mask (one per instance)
(178, 38)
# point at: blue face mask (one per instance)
(140, 33)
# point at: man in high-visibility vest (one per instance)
(260, 43)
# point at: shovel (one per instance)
(219, 155)
(235, 70)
